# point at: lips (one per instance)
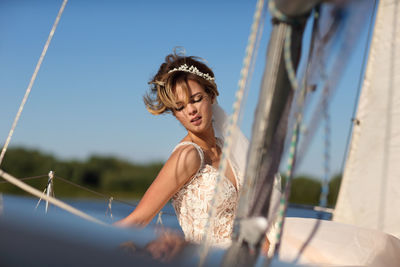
(196, 120)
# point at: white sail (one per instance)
(370, 191)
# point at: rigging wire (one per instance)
(350, 36)
(18, 182)
(323, 40)
(251, 66)
(298, 114)
(327, 144)
(283, 205)
(324, 106)
(244, 75)
(32, 81)
(50, 199)
(301, 98)
(44, 191)
(26, 178)
(106, 197)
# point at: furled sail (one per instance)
(370, 191)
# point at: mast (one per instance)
(268, 135)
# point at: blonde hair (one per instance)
(161, 98)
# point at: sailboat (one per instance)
(365, 227)
(366, 221)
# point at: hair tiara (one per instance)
(192, 69)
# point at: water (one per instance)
(99, 210)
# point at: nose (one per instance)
(191, 108)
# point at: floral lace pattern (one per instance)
(193, 201)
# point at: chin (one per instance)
(200, 129)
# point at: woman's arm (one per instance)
(182, 165)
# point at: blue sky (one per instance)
(87, 98)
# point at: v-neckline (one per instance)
(219, 144)
(225, 177)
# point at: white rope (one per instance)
(50, 199)
(28, 90)
(109, 207)
(159, 219)
(40, 199)
(247, 63)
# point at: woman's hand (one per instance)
(120, 223)
(124, 223)
(166, 246)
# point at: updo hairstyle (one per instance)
(162, 98)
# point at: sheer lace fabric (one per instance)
(193, 201)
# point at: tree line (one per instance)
(120, 178)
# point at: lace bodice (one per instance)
(193, 201)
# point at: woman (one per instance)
(185, 87)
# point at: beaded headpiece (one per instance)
(192, 69)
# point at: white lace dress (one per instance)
(192, 204)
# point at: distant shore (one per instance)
(103, 177)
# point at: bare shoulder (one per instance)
(185, 161)
(187, 152)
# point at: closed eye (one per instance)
(194, 99)
(197, 98)
(179, 108)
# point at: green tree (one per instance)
(305, 190)
(108, 175)
(334, 186)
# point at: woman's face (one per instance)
(196, 115)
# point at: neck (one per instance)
(207, 140)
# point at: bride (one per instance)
(185, 87)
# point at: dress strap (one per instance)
(199, 150)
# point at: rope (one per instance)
(94, 192)
(17, 182)
(325, 185)
(50, 199)
(276, 13)
(285, 197)
(287, 55)
(76, 185)
(103, 195)
(159, 219)
(27, 178)
(244, 74)
(109, 206)
(301, 97)
(28, 90)
(284, 201)
(50, 188)
(330, 85)
(40, 199)
(109, 198)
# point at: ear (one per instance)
(213, 99)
